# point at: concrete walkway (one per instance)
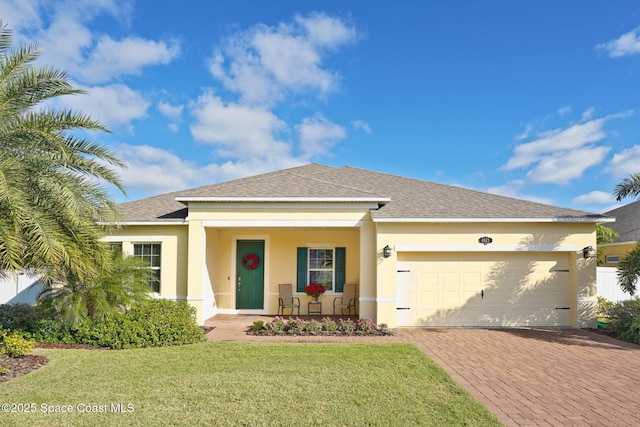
(526, 377)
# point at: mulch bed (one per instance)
(20, 365)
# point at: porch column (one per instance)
(195, 268)
(368, 282)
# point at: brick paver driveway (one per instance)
(526, 377)
(556, 377)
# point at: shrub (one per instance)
(603, 306)
(19, 316)
(346, 326)
(276, 326)
(298, 326)
(295, 326)
(13, 344)
(54, 331)
(256, 326)
(624, 320)
(329, 325)
(313, 327)
(152, 323)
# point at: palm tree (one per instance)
(628, 187)
(114, 289)
(629, 267)
(51, 194)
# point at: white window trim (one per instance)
(159, 268)
(331, 291)
(609, 260)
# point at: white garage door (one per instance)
(488, 289)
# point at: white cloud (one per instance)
(266, 63)
(360, 125)
(112, 105)
(625, 162)
(587, 114)
(512, 189)
(594, 197)
(558, 140)
(326, 31)
(19, 14)
(62, 30)
(318, 136)
(626, 44)
(238, 131)
(151, 170)
(564, 110)
(173, 112)
(563, 167)
(154, 170)
(110, 58)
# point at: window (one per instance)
(613, 259)
(150, 253)
(321, 265)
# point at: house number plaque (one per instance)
(485, 240)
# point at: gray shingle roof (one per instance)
(402, 197)
(627, 223)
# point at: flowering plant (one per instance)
(314, 289)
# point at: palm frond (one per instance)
(629, 186)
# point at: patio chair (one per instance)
(286, 299)
(347, 300)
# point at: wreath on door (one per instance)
(250, 261)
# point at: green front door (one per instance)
(250, 274)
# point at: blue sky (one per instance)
(536, 100)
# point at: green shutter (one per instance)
(340, 268)
(302, 270)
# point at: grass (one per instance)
(239, 384)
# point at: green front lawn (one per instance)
(227, 384)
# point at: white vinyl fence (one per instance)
(22, 287)
(608, 287)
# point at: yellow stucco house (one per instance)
(421, 253)
(627, 225)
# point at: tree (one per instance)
(604, 236)
(114, 289)
(51, 197)
(628, 187)
(629, 267)
(629, 270)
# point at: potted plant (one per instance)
(314, 290)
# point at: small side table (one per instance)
(314, 307)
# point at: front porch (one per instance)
(244, 266)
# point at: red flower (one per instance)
(314, 289)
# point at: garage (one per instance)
(492, 289)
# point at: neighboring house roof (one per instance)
(399, 198)
(627, 223)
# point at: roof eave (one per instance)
(196, 199)
(142, 222)
(510, 220)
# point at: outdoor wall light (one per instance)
(588, 252)
(386, 251)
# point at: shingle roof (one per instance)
(627, 223)
(403, 198)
